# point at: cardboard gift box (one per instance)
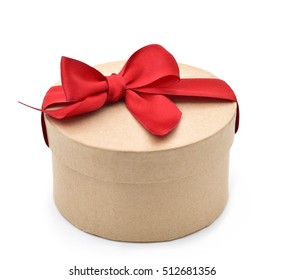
(114, 179)
(141, 155)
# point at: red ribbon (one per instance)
(147, 82)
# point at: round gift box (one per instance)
(114, 179)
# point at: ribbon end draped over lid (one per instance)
(147, 82)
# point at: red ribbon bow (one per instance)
(147, 81)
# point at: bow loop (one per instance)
(150, 65)
(79, 80)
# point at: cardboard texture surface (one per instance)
(114, 179)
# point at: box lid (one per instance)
(111, 137)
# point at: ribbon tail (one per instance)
(197, 87)
(237, 119)
(157, 113)
(44, 129)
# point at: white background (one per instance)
(240, 41)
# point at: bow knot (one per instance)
(117, 88)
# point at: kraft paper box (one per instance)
(114, 179)
(141, 155)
